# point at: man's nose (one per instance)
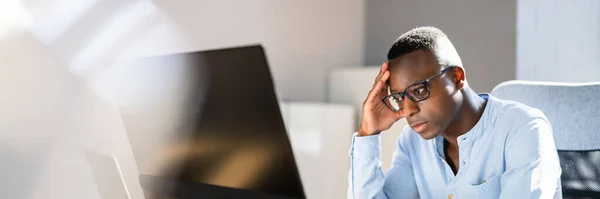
(409, 108)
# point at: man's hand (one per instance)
(376, 116)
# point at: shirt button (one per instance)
(449, 196)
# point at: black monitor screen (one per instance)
(205, 122)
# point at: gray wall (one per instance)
(558, 40)
(484, 33)
(303, 39)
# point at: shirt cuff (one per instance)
(366, 146)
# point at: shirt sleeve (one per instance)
(366, 178)
(532, 164)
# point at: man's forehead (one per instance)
(399, 81)
(412, 59)
(411, 68)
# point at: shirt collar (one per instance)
(479, 126)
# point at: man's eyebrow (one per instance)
(413, 83)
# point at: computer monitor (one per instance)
(207, 125)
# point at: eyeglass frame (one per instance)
(403, 93)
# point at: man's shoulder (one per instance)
(512, 116)
(511, 111)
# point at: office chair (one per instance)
(573, 110)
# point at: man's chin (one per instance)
(428, 135)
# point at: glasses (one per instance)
(416, 92)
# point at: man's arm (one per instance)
(366, 178)
(532, 165)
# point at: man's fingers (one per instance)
(382, 70)
(379, 106)
(384, 79)
(385, 66)
(378, 87)
(386, 76)
(374, 92)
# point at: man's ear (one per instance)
(458, 77)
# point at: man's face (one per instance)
(436, 112)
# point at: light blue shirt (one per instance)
(509, 153)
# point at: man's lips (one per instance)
(417, 123)
(418, 126)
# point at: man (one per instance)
(458, 144)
